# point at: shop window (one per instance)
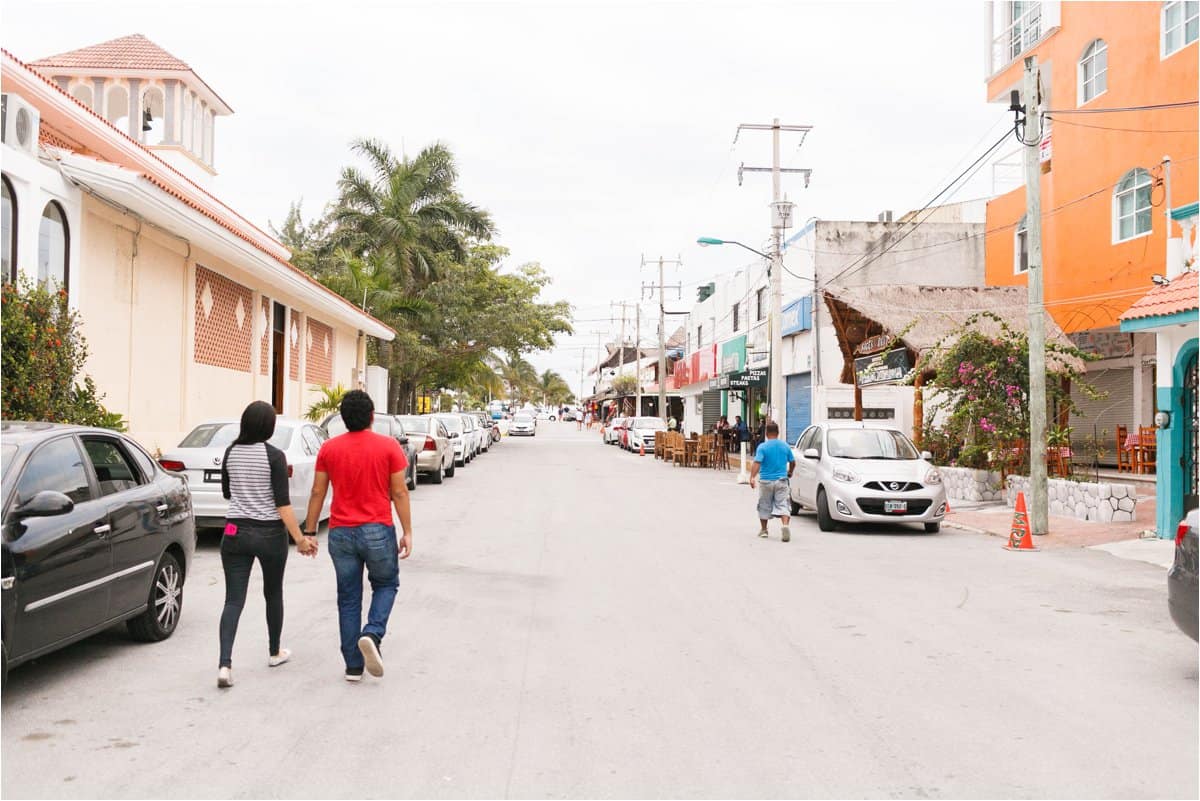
(1131, 206)
(53, 246)
(8, 231)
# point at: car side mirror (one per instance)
(927, 456)
(46, 503)
(404, 440)
(811, 453)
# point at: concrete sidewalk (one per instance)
(995, 518)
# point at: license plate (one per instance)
(895, 506)
(212, 476)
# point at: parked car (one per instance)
(479, 439)
(547, 414)
(614, 430)
(95, 533)
(385, 424)
(454, 427)
(490, 427)
(435, 454)
(1181, 579)
(640, 432)
(523, 424)
(200, 453)
(862, 473)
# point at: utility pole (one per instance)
(637, 348)
(661, 288)
(1032, 139)
(781, 219)
(621, 345)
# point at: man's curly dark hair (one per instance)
(357, 409)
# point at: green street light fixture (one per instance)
(705, 241)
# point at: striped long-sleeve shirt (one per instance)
(254, 479)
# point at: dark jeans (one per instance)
(372, 545)
(266, 542)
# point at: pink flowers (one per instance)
(984, 425)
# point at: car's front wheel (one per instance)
(825, 521)
(161, 617)
(933, 528)
(795, 508)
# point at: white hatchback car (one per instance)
(200, 453)
(642, 431)
(863, 473)
(523, 424)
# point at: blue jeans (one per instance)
(373, 545)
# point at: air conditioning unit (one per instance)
(19, 123)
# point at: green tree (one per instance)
(554, 388)
(329, 402)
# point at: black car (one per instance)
(94, 533)
(386, 424)
(1181, 580)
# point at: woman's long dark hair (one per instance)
(258, 424)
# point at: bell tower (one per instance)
(147, 93)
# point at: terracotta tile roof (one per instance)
(52, 137)
(1180, 295)
(134, 52)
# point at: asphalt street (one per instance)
(578, 621)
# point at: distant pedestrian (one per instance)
(759, 436)
(587, 421)
(254, 479)
(773, 466)
(578, 420)
(672, 423)
(741, 430)
(367, 472)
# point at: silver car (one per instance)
(862, 473)
(435, 455)
(456, 428)
(523, 424)
(642, 431)
(200, 453)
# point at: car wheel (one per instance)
(411, 483)
(933, 528)
(825, 521)
(438, 474)
(450, 470)
(795, 508)
(161, 617)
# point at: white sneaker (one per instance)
(371, 655)
(762, 534)
(225, 678)
(353, 676)
(279, 658)
(787, 533)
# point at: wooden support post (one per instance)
(919, 410)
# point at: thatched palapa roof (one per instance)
(927, 315)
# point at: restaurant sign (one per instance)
(882, 368)
(754, 378)
(719, 382)
(733, 355)
(874, 344)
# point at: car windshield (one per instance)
(7, 452)
(453, 424)
(652, 423)
(220, 435)
(522, 418)
(868, 443)
(414, 423)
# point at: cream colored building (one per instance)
(190, 311)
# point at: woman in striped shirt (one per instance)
(254, 480)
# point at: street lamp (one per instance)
(705, 241)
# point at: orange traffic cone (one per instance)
(1020, 538)
(642, 450)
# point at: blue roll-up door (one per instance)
(799, 405)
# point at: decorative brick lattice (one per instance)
(319, 365)
(293, 339)
(224, 328)
(264, 359)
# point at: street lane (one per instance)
(578, 621)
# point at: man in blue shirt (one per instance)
(773, 466)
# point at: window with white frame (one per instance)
(1093, 71)
(735, 316)
(1021, 247)
(760, 304)
(53, 247)
(1131, 205)
(1180, 25)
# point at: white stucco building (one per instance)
(190, 311)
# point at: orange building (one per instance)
(1107, 189)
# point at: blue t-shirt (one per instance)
(773, 456)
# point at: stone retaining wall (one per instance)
(1097, 503)
(966, 484)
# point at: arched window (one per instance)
(53, 246)
(197, 127)
(1131, 205)
(1093, 71)
(116, 107)
(1021, 247)
(1180, 25)
(83, 93)
(153, 101)
(8, 218)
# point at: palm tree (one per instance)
(518, 374)
(329, 402)
(552, 386)
(408, 209)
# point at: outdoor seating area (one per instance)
(697, 450)
(1137, 451)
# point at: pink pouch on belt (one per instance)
(230, 530)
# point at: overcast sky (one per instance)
(594, 133)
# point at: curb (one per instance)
(971, 529)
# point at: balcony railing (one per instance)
(1022, 33)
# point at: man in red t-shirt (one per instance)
(367, 473)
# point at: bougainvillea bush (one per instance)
(41, 364)
(983, 406)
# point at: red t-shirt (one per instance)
(360, 465)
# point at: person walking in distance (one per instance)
(366, 471)
(254, 480)
(773, 466)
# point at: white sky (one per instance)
(594, 133)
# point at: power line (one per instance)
(1125, 130)
(1153, 107)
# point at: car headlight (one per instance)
(933, 477)
(844, 475)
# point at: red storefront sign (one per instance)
(695, 368)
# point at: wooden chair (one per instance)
(1056, 461)
(679, 450)
(704, 457)
(1124, 457)
(1147, 449)
(720, 454)
(660, 438)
